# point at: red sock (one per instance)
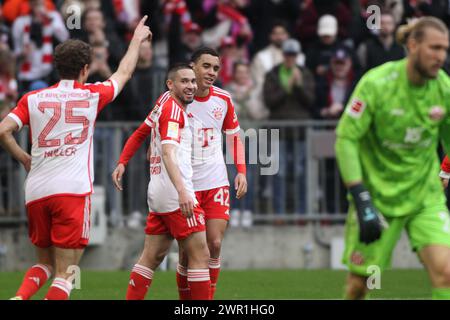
(184, 291)
(140, 280)
(59, 290)
(34, 279)
(214, 270)
(199, 283)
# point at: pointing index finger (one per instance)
(142, 22)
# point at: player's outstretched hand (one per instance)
(240, 185)
(186, 203)
(117, 176)
(371, 222)
(142, 32)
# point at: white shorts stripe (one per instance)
(85, 234)
(189, 223)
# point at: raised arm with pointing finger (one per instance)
(128, 63)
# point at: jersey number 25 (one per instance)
(68, 118)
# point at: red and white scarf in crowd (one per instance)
(39, 63)
(178, 7)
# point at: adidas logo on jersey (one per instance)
(131, 283)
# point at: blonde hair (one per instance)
(415, 29)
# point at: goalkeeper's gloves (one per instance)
(371, 223)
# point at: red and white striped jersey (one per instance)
(61, 120)
(169, 125)
(209, 117)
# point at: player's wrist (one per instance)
(241, 169)
(360, 195)
(123, 163)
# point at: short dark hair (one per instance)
(239, 63)
(279, 23)
(177, 67)
(201, 51)
(70, 58)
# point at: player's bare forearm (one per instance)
(128, 63)
(7, 141)
(170, 162)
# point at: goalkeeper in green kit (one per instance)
(386, 148)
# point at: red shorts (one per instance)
(61, 221)
(175, 223)
(215, 202)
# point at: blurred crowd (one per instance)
(281, 59)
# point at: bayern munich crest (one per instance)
(218, 113)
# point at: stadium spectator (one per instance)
(33, 36)
(230, 21)
(333, 89)
(191, 40)
(127, 12)
(141, 87)
(240, 88)
(265, 14)
(309, 20)
(265, 60)
(395, 7)
(289, 94)
(382, 47)
(229, 55)
(289, 88)
(8, 83)
(13, 9)
(100, 70)
(318, 56)
(420, 8)
(95, 30)
(5, 33)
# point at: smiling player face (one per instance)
(183, 86)
(206, 70)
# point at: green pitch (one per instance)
(260, 284)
